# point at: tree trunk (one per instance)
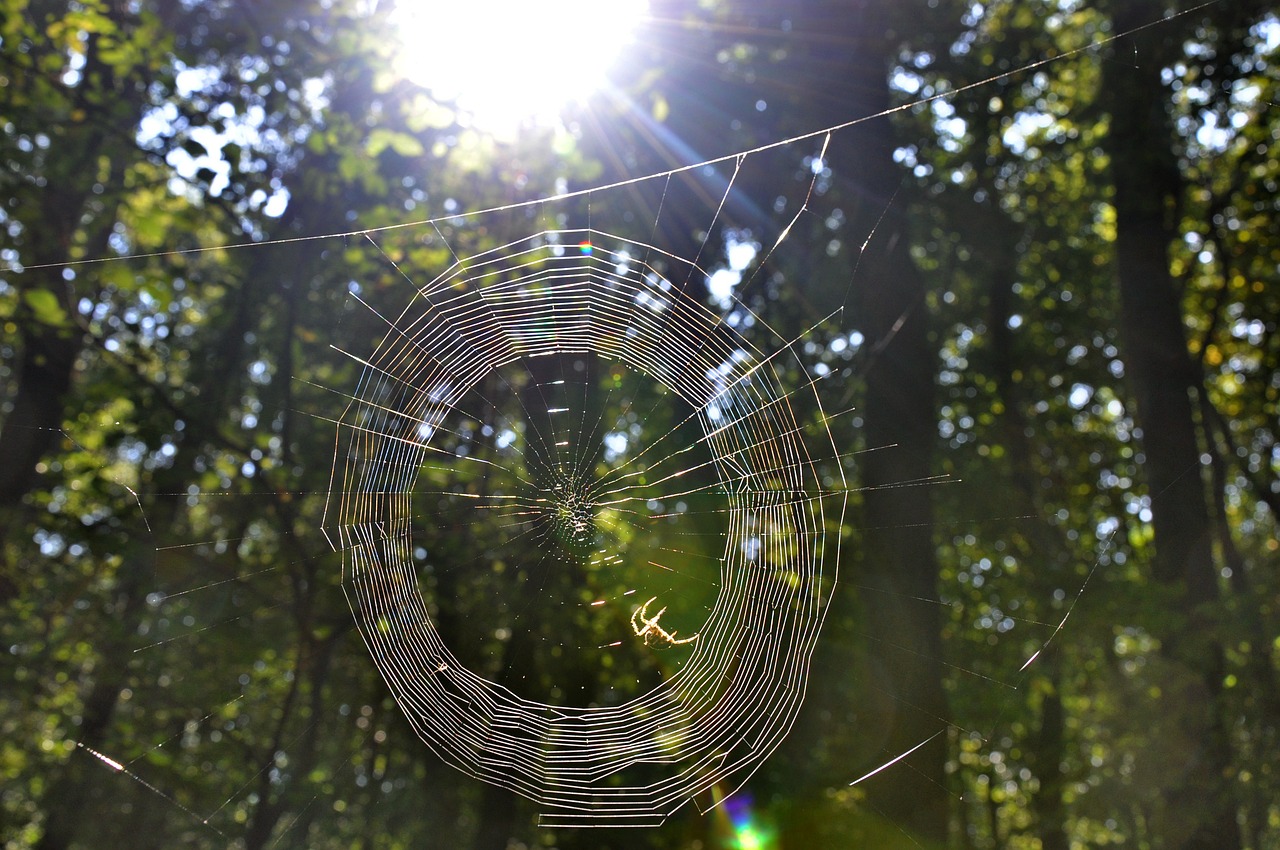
(898, 410)
(70, 791)
(29, 431)
(1048, 747)
(1200, 809)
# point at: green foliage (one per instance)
(45, 308)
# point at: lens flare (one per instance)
(745, 829)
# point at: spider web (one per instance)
(623, 479)
(564, 509)
(561, 462)
(588, 525)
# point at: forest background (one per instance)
(1061, 292)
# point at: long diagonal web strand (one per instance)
(580, 193)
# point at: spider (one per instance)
(654, 634)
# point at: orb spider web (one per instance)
(490, 324)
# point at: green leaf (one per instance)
(44, 304)
(402, 143)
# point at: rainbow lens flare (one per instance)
(746, 832)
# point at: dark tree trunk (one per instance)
(75, 210)
(1048, 748)
(1200, 806)
(889, 309)
(46, 368)
(554, 381)
(70, 792)
(32, 426)
(899, 411)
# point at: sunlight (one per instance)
(510, 62)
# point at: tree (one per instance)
(170, 362)
(1149, 188)
(1021, 144)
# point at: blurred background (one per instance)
(1033, 271)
